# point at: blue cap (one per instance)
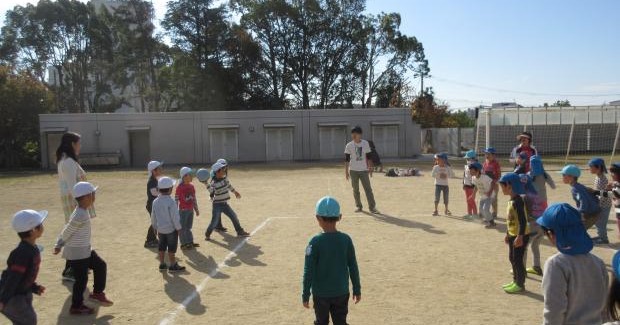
(328, 207)
(476, 165)
(571, 170)
(598, 162)
(442, 155)
(515, 182)
(490, 150)
(536, 166)
(615, 264)
(471, 154)
(570, 235)
(203, 175)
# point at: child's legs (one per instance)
(355, 184)
(494, 200)
(163, 245)
(535, 243)
(186, 226)
(370, 197)
(80, 271)
(518, 266)
(339, 308)
(321, 310)
(19, 310)
(589, 220)
(485, 209)
(471, 202)
(216, 215)
(230, 213)
(601, 224)
(511, 257)
(446, 195)
(100, 271)
(437, 195)
(173, 242)
(151, 236)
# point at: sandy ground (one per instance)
(415, 268)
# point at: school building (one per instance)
(132, 139)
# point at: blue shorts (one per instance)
(169, 242)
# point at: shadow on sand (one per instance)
(248, 254)
(65, 318)
(179, 289)
(406, 223)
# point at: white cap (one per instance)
(26, 220)
(153, 164)
(185, 170)
(83, 188)
(217, 166)
(165, 182)
(222, 161)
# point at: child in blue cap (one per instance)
(614, 189)
(585, 199)
(598, 168)
(575, 281)
(521, 163)
(517, 232)
(468, 185)
(613, 298)
(483, 184)
(330, 262)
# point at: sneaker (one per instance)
(67, 275)
(468, 217)
(176, 268)
(358, 210)
(194, 244)
(163, 267)
(508, 284)
(82, 310)
(600, 241)
(221, 229)
(534, 270)
(101, 299)
(243, 234)
(374, 210)
(514, 289)
(208, 235)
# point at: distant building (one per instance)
(615, 103)
(505, 105)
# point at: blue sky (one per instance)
(529, 51)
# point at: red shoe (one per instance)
(101, 299)
(82, 310)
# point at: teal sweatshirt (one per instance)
(330, 261)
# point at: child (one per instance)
(587, 203)
(539, 179)
(441, 172)
(483, 184)
(517, 234)
(330, 262)
(76, 240)
(358, 168)
(204, 175)
(575, 281)
(18, 281)
(185, 196)
(614, 187)
(598, 168)
(166, 221)
(155, 170)
(613, 298)
(468, 185)
(220, 189)
(521, 163)
(492, 168)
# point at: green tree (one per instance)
(23, 98)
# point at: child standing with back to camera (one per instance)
(441, 173)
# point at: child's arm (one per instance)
(176, 195)
(153, 220)
(549, 181)
(196, 209)
(354, 273)
(176, 218)
(232, 189)
(434, 171)
(310, 262)
(555, 292)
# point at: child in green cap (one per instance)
(330, 262)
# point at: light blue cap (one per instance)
(571, 170)
(471, 154)
(328, 207)
(570, 234)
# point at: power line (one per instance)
(530, 93)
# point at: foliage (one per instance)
(23, 98)
(429, 114)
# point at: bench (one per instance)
(100, 159)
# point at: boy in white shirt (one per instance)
(441, 173)
(483, 184)
(358, 167)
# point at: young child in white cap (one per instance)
(155, 170)
(220, 189)
(185, 196)
(204, 175)
(18, 281)
(75, 238)
(330, 262)
(165, 220)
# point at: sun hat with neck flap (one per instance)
(570, 235)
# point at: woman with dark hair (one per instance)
(69, 173)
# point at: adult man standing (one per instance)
(358, 167)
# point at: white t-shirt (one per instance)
(441, 174)
(358, 152)
(484, 184)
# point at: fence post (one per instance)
(487, 128)
(570, 138)
(613, 152)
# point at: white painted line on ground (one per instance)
(172, 315)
